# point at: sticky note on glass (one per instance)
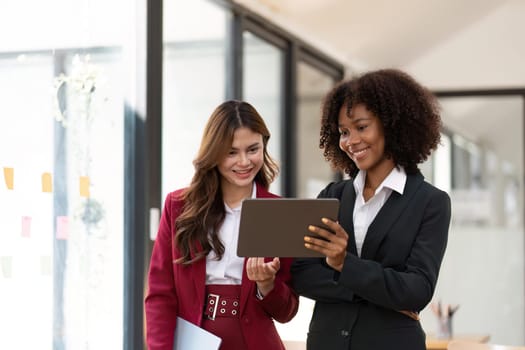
(26, 226)
(45, 265)
(62, 229)
(9, 174)
(47, 182)
(6, 266)
(84, 186)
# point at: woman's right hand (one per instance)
(333, 246)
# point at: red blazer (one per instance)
(177, 290)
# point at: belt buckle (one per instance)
(216, 304)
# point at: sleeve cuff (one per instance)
(258, 293)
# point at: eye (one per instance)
(343, 132)
(253, 150)
(232, 153)
(362, 127)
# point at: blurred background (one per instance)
(104, 102)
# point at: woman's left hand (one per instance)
(263, 273)
(333, 246)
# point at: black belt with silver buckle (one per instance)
(219, 306)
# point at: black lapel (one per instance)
(346, 214)
(389, 213)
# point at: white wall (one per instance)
(489, 53)
(483, 272)
(483, 268)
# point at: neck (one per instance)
(233, 196)
(376, 177)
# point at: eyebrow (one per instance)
(258, 144)
(354, 121)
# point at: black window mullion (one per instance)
(289, 123)
(142, 166)
(234, 57)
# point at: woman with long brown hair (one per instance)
(194, 271)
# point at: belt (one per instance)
(219, 306)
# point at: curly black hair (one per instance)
(409, 113)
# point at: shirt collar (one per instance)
(395, 181)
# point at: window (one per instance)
(193, 82)
(263, 89)
(480, 164)
(314, 172)
(61, 175)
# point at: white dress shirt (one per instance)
(228, 270)
(365, 212)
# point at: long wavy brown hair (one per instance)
(203, 211)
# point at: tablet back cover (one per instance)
(275, 227)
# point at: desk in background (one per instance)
(432, 342)
(441, 344)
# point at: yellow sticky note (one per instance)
(84, 186)
(9, 174)
(47, 182)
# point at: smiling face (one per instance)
(363, 140)
(242, 162)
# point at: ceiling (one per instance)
(375, 33)
(445, 44)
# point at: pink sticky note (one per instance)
(62, 227)
(26, 226)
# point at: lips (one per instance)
(243, 173)
(357, 154)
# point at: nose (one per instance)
(243, 159)
(353, 139)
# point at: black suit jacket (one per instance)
(357, 309)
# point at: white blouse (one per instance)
(365, 212)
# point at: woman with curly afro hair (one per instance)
(382, 255)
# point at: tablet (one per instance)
(275, 227)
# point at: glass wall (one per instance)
(263, 88)
(194, 82)
(480, 164)
(61, 175)
(314, 173)
(26, 260)
(71, 142)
